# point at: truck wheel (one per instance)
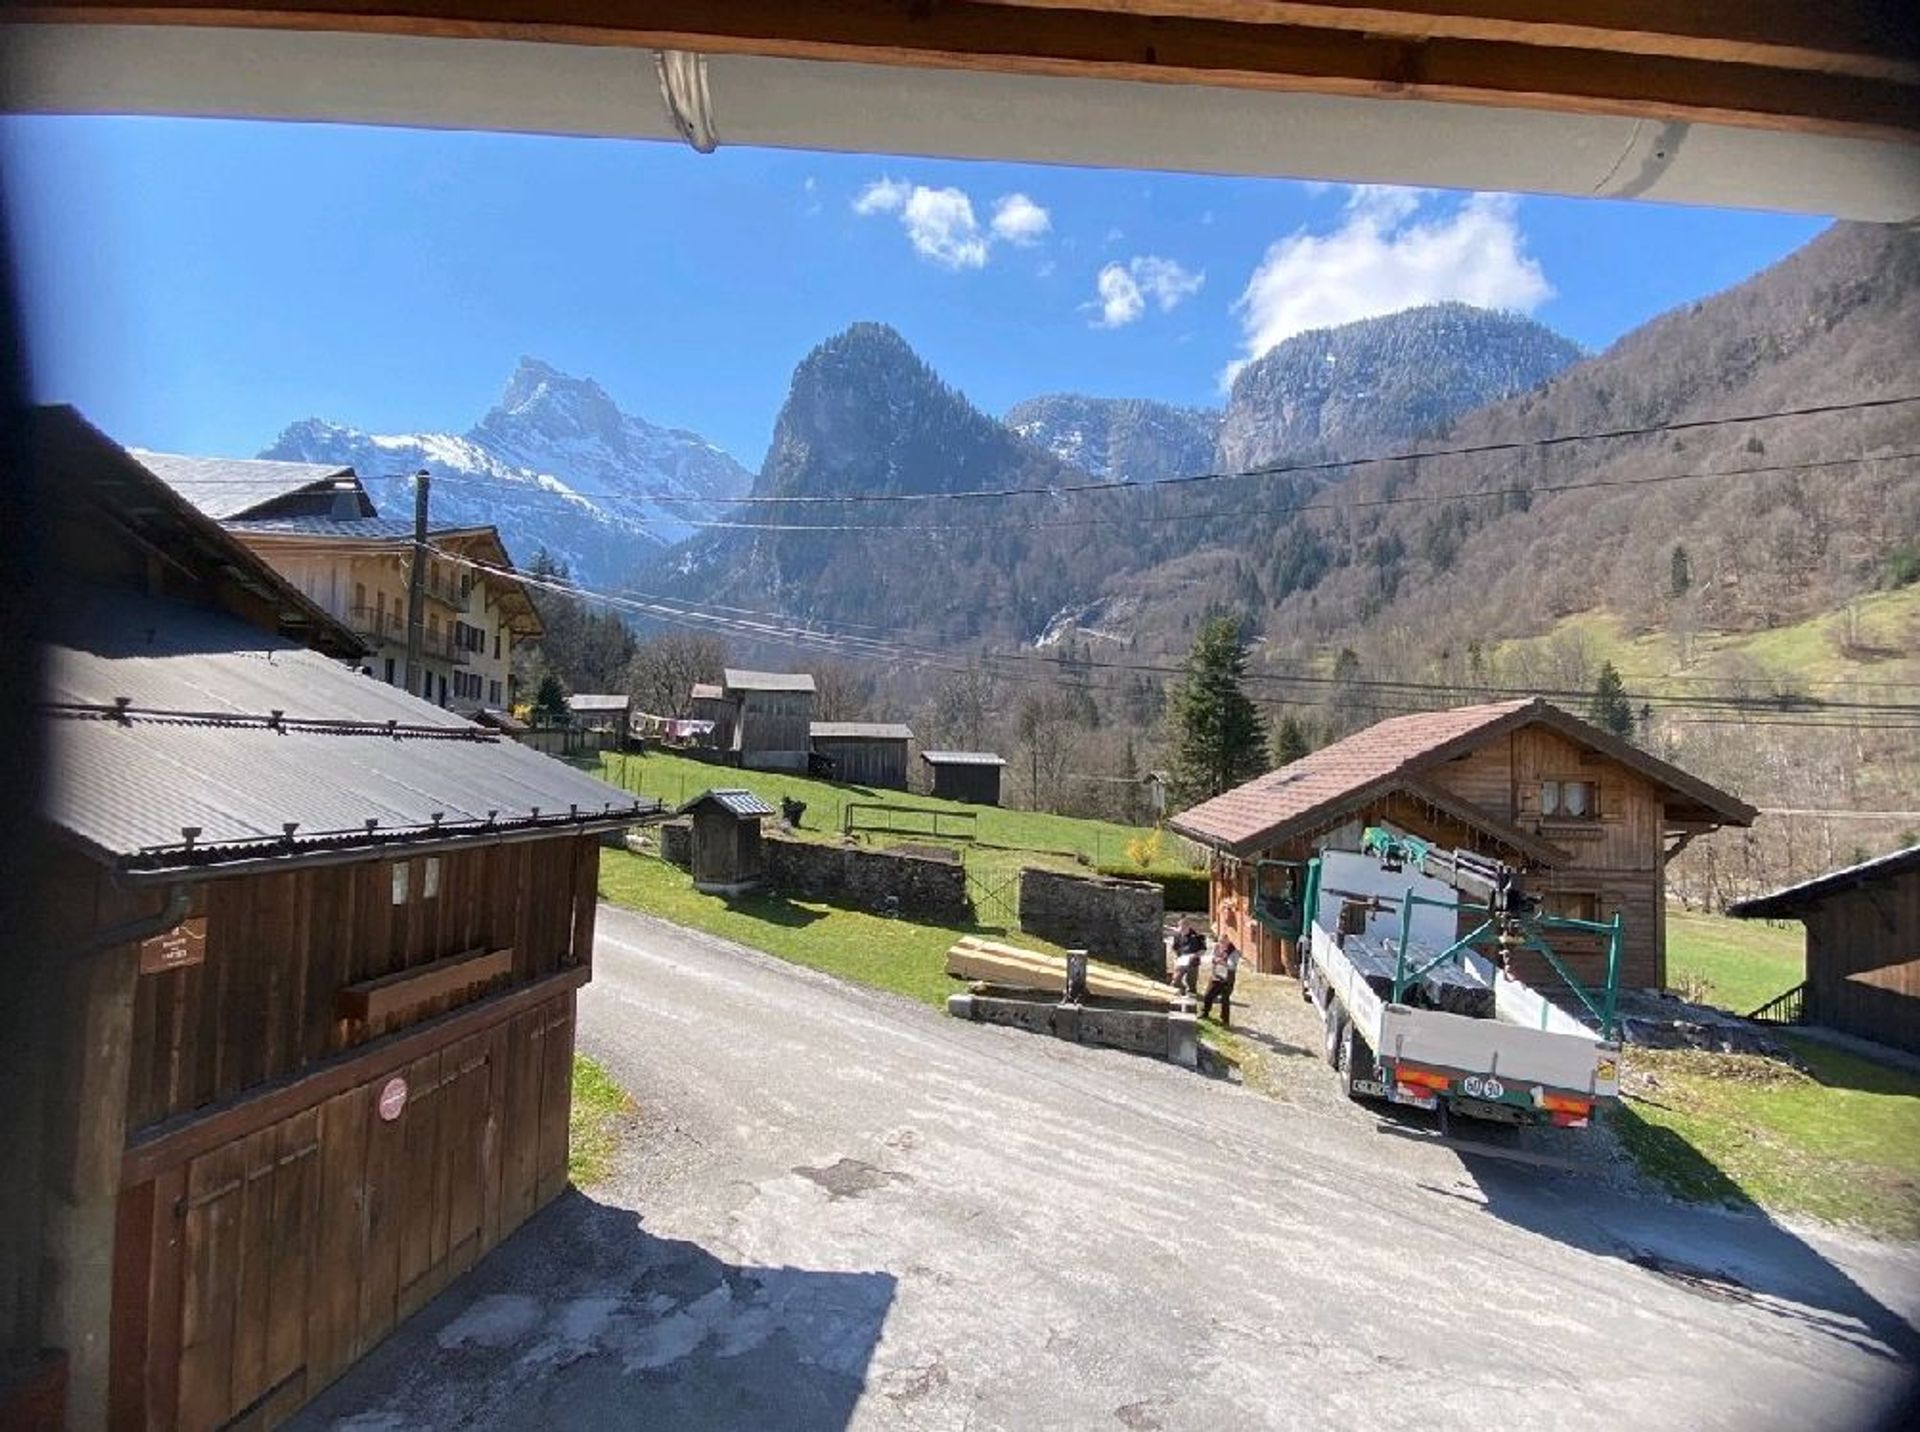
(1337, 1029)
(1353, 1053)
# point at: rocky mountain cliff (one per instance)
(1383, 381)
(1405, 563)
(865, 414)
(554, 463)
(1120, 439)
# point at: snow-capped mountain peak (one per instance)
(554, 463)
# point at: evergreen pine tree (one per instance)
(1290, 741)
(551, 699)
(1679, 572)
(1218, 739)
(1611, 710)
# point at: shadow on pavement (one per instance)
(1733, 1253)
(584, 1319)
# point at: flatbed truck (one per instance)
(1383, 960)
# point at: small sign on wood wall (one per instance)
(185, 944)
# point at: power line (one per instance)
(1345, 504)
(1773, 710)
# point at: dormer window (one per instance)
(1569, 800)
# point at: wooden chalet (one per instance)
(318, 942)
(1863, 946)
(1591, 818)
(970, 776)
(772, 718)
(864, 753)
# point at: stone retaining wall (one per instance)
(926, 888)
(1117, 920)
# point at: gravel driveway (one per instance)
(837, 1208)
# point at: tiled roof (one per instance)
(1794, 899)
(767, 680)
(962, 758)
(735, 802)
(242, 735)
(228, 487)
(1358, 764)
(861, 730)
(1336, 778)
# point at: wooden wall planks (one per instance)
(280, 948)
(255, 1273)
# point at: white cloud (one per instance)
(1125, 289)
(1121, 301)
(1019, 220)
(882, 196)
(1384, 257)
(942, 226)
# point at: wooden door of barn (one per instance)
(252, 1274)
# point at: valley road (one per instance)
(839, 1208)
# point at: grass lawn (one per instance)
(1004, 840)
(598, 1106)
(1744, 963)
(903, 956)
(1840, 1143)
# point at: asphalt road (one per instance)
(841, 1209)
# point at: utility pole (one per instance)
(417, 587)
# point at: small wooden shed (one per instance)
(971, 776)
(865, 753)
(728, 856)
(708, 702)
(1863, 946)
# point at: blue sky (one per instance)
(196, 285)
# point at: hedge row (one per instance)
(1185, 889)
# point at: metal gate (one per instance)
(996, 898)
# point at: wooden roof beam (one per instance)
(1619, 58)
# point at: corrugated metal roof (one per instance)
(195, 749)
(598, 701)
(767, 680)
(962, 758)
(742, 803)
(346, 529)
(1794, 899)
(226, 487)
(860, 731)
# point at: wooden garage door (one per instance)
(274, 1261)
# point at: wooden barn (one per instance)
(728, 856)
(708, 702)
(1863, 946)
(772, 719)
(1591, 818)
(320, 942)
(970, 776)
(865, 753)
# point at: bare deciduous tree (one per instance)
(661, 676)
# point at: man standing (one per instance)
(1226, 965)
(1188, 945)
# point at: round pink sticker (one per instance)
(393, 1098)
